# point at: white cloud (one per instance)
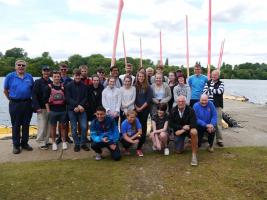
(11, 2)
(233, 20)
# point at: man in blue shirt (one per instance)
(206, 120)
(18, 89)
(104, 134)
(197, 83)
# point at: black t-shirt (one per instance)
(160, 121)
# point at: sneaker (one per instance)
(69, 140)
(210, 149)
(77, 148)
(154, 148)
(98, 156)
(85, 147)
(54, 146)
(139, 153)
(194, 160)
(58, 140)
(220, 144)
(64, 146)
(166, 151)
(26, 147)
(16, 150)
(44, 147)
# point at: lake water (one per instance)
(254, 90)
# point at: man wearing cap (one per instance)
(38, 104)
(128, 71)
(18, 89)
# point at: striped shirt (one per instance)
(210, 89)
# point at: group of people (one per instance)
(115, 109)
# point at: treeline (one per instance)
(7, 61)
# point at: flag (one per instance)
(120, 7)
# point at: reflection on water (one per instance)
(254, 90)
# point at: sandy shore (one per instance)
(250, 116)
(253, 119)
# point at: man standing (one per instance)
(183, 122)
(206, 120)
(160, 70)
(214, 88)
(84, 75)
(196, 83)
(128, 71)
(94, 96)
(38, 104)
(105, 134)
(64, 80)
(114, 72)
(76, 98)
(18, 89)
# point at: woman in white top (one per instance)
(128, 94)
(161, 93)
(111, 99)
(181, 89)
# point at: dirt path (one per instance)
(253, 119)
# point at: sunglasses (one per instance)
(101, 72)
(63, 69)
(21, 65)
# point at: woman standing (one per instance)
(181, 89)
(128, 94)
(111, 99)
(143, 99)
(172, 84)
(161, 93)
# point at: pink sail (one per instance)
(221, 55)
(160, 41)
(187, 46)
(209, 40)
(113, 60)
(124, 49)
(141, 53)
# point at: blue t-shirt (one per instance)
(19, 88)
(197, 84)
(126, 127)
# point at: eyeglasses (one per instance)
(21, 65)
(101, 72)
(63, 69)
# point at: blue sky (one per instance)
(86, 27)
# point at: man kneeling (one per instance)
(183, 122)
(104, 133)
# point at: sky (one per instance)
(67, 27)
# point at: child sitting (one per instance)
(159, 135)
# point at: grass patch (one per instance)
(230, 173)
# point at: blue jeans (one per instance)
(74, 119)
(115, 154)
(20, 114)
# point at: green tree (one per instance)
(16, 53)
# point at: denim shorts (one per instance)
(55, 117)
(179, 141)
